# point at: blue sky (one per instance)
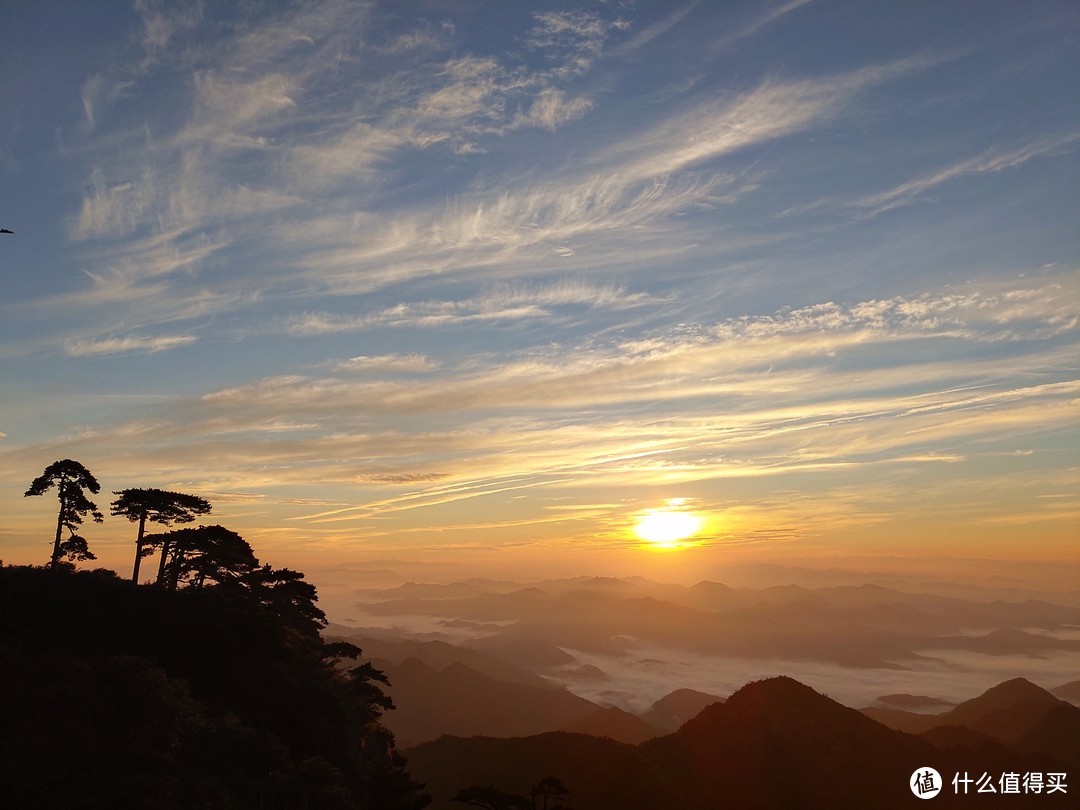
(433, 277)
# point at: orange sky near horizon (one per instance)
(602, 539)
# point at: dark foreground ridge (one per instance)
(125, 696)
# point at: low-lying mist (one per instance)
(629, 642)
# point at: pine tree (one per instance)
(70, 479)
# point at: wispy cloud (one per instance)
(98, 92)
(161, 23)
(551, 109)
(129, 343)
(386, 362)
(657, 29)
(749, 366)
(226, 109)
(197, 180)
(192, 173)
(399, 478)
(116, 209)
(141, 273)
(921, 188)
(773, 109)
(770, 16)
(572, 39)
(990, 162)
(504, 303)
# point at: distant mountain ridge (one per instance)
(1068, 691)
(677, 707)
(1015, 713)
(867, 626)
(601, 638)
(615, 724)
(774, 744)
(460, 700)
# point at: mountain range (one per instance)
(628, 642)
(503, 684)
(1015, 713)
(863, 627)
(774, 743)
(439, 688)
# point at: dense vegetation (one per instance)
(211, 687)
(118, 695)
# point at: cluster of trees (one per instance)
(213, 689)
(189, 556)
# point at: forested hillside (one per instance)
(123, 695)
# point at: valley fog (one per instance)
(628, 642)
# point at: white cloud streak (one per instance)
(739, 360)
(129, 343)
(990, 162)
(551, 109)
(386, 362)
(769, 17)
(771, 110)
(506, 303)
(98, 93)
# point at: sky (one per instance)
(489, 284)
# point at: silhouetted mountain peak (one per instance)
(1068, 691)
(916, 703)
(1003, 696)
(1011, 711)
(615, 724)
(780, 725)
(463, 673)
(675, 708)
(1008, 633)
(1022, 688)
(413, 666)
(709, 586)
(775, 707)
(789, 591)
(605, 582)
(777, 692)
(532, 592)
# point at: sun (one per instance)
(668, 526)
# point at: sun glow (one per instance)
(668, 526)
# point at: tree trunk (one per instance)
(59, 528)
(138, 548)
(164, 559)
(177, 561)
